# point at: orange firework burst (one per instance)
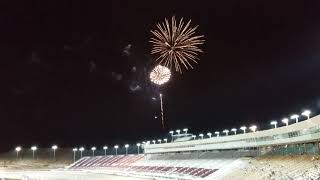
(176, 44)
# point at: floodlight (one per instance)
(243, 128)
(33, 148)
(116, 148)
(126, 146)
(194, 137)
(185, 130)
(274, 123)
(81, 149)
(286, 121)
(18, 149)
(296, 117)
(253, 128)
(209, 134)
(54, 148)
(105, 150)
(217, 133)
(306, 113)
(226, 131)
(74, 154)
(234, 130)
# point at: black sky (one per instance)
(75, 72)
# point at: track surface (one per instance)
(61, 175)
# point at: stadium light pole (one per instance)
(226, 131)
(201, 136)
(171, 132)
(33, 149)
(126, 146)
(217, 133)
(178, 131)
(18, 149)
(274, 123)
(93, 149)
(54, 148)
(253, 128)
(165, 140)
(209, 134)
(194, 137)
(243, 128)
(74, 154)
(105, 150)
(285, 121)
(296, 117)
(306, 113)
(159, 140)
(185, 130)
(116, 148)
(138, 145)
(154, 141)
(81, 149)
(234, 130)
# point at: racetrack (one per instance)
(62, 175)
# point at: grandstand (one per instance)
(288, 152)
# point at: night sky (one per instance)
(76, 73)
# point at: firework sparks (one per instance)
(160, 75)
(176, 44)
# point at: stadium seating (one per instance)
(207, 165)
(142, 164)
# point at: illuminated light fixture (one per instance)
(306, 113)
(126, 146)
(93, 149)
(116, 148)
(296, 117)
(226, 131)
(105, 150)
(18, 149)
(274, 123)
(81, 149)
(165, 140)
(178, 131)
(209, 134)
(185, 130)
(234, 130)
(253, 128)
(154, 141)
(243, 128)
(74, 154)
(138, 145)
(54, 148)
(201, 136)
(217, 133)
(194, 137)
(33, 149)
(171, 132)
(285, 121)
